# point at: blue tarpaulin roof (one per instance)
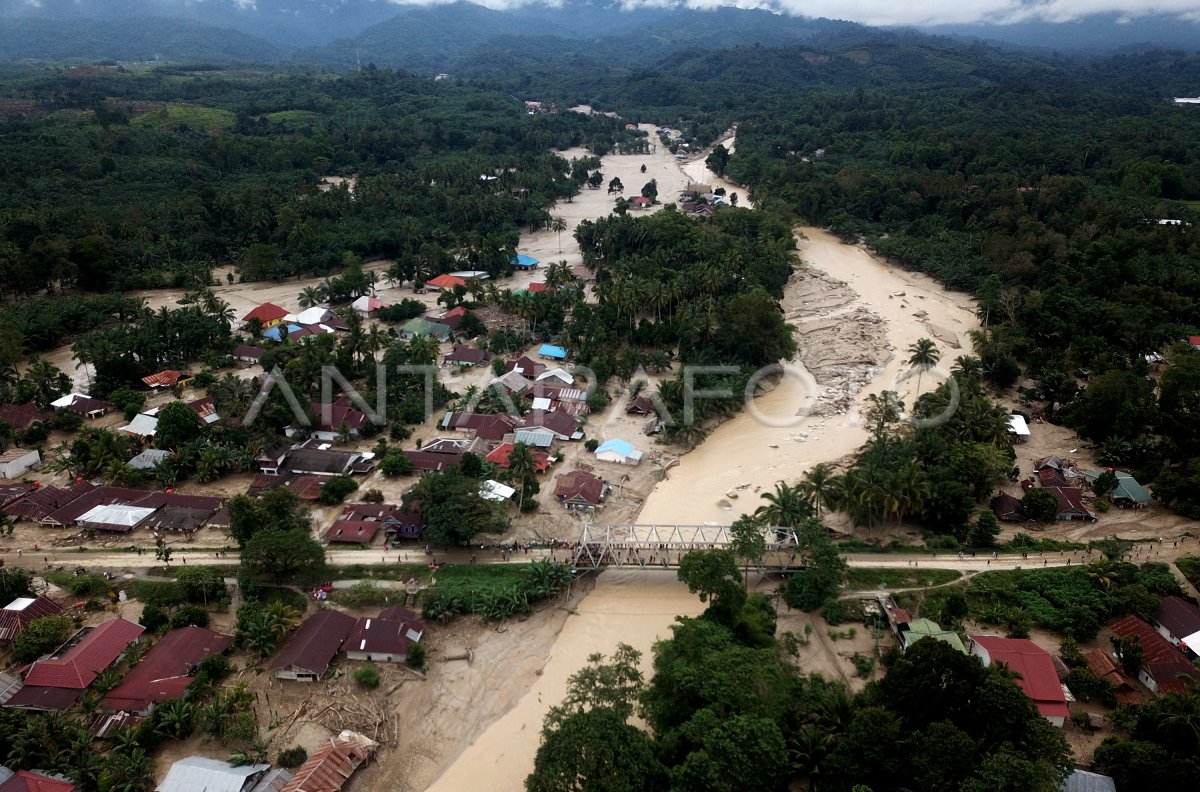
(551, 351)
(622, 447)
(275, 332)
(521, 260)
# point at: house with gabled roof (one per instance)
(580, 490)
(423, 327)
(18, 614)
(33, 781)
(564, 425)
(1164, 667)
(1103, 666)
(331, 418)
(512, 382)
(1007, 508)
(487, 427)
(166, 672)
(1035, 667)
(307, 654)
(20, 417)
(1177, 620)
(467, 356)
(83, 404)
(525, 366)
(16, 462)
(248, 354)
(329, 768)
(269, 314)
(167, 378)
(1070, 504)
(444, 282)
(55, 683)
(499, 456)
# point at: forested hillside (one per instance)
(115, 182)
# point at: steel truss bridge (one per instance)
(650, 546)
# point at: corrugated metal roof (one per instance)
(201, 774)
(328, 769)
(95, 652)
(316, 643)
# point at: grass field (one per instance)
(193, 116)
(864, 578)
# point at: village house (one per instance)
(17, 615)
(619, 451)
(564, 425)
(524, 262)
(55, 683)
(1007, 508)
(526, 367)
(248, 354)
(328, 769)
(414, 328)
(1103, 666)
(167, 378)
(166, 672)
(1070, 504)
(467, 356)
(1179, 622)
(1038, 678)
(18, 461)
(1018, 428)
(307, 654)
(499, 457)
(452, 318)
(381, 640)
(512, 382)
(268, 314)
(20, 417)
(552, 352)
(367, 305)
(1164, 668)
(1128, 492)
(914, 630)
(444, 282)
(580, 490)
(201, 774)
(486, 427)
(83, 404)
(205, 409)
(32, 781)
(331, 420)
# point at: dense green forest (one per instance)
(116, 182)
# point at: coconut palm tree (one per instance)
(924, 355)
(312, 296)
(522, 469)
(786, 507)
(816, 486)
(558, 225)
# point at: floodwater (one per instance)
(636, 607)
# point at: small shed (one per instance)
(18, 461)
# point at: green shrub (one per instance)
(41, 636)
(415, 655)
(863, 666)
(367, 676)
(292, 758)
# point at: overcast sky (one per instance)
(934, 12)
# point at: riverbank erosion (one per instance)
(636, 607)
(854, 317)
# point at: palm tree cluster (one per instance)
(936, 471)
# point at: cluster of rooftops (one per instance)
(1170, 648)
(57, 681)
